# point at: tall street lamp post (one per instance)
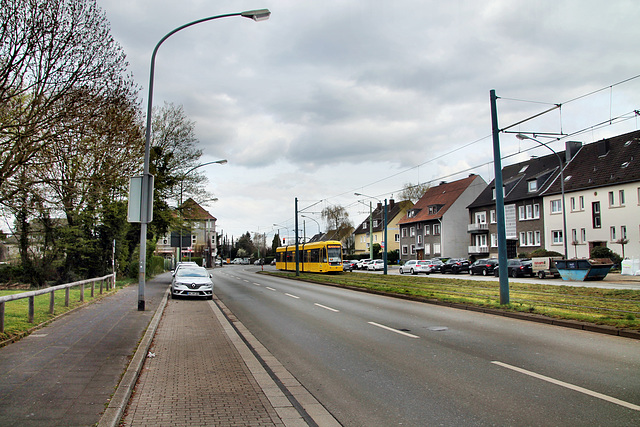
(184, 175)
(384, 257)
(256, 15)
(313, 219)
(521, 137)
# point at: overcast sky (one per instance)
(340, 96)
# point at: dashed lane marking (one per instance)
(327, 308)
(406, 334)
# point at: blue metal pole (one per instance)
(502, 232)
(385, 236)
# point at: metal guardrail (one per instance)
(110, 284)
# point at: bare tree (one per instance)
(413, 192)
(52, 53)
(338, 224)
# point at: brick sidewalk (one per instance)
(197, 377)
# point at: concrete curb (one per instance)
(118, 403)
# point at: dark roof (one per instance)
(193, 211)
(442, 196)
(516, 177)
(606, 162)
(393, 210)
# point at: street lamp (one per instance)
(313, 219)
(521, 137)
(256, 15)
(385, 228)
(184, 175)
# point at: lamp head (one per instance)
(522, 137)
(257, 15)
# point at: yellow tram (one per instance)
(318, 257)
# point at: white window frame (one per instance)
(556, 206)
(494, 240)
(405, 250)
(427, 230)
(436, 229)
(532, 186)
(556, 237)
(492, 215)
(412, 232)
(536, 211)
(612, 232)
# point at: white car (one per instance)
(414, 266)
(192, 281)
(376, 264)
(362, 264)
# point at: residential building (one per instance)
(437, 224)
(524, 185)
(602, 198)
(199, 236)
(372, 228)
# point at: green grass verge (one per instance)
(16, 316)
(612, 307)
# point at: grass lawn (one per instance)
(612, 307)
(16, 317)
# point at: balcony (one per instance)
(478, 227)
(476, 250)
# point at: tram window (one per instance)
(335, 253)
(324, 254)
(314, 255)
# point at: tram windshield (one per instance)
(334, 253)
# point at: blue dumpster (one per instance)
(584, 269)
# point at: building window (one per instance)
(595, 215)
(412, 231)
(537, 237)
(413, 249)
(574, 235)
(405, 249)
(494, 240)
(396, 238)
(611, 198)
(613, 234)
(436, 249)
(523, 239)
(573, 204)
(521, 214)
(533, 185)
(481, 217)
(583, 235)
(623, 231)
(492, 215)
(375, 222)
(419, 240)
(556, 206)
(427, 249)
(529, 211)
(581, 203)
(621, 197)
(427, 230)
(536, 211)
(436, 229)
(557, 237)
(403, 230)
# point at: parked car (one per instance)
(483, 266)
(192, 281)
(348, 265)
(455, 266)
(362, 264)
(435, 264)
(376, 264)
(415, 266)
(183, 264)
(517, 268)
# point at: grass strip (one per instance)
(619, 308)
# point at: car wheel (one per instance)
(412, 271)
(484, 271)
(400, 270)
(471, 272)
(541, 274)
(454, 271)
(514, 274)
(496, 272)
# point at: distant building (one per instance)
(437, 224)
(372, 228)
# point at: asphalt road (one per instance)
(374, 360)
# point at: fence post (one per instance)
(2, 317)
(82, 293)
(66, 297)
(52, 300)
(32, 308)
(93, 288)
(101, 284)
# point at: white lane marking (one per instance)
(393, 330)
(257, 284)
(245, 280)
(570, 386)
(292, 296)
(271, 289)
(327, 308)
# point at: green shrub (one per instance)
(604, 252)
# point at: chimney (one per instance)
(571, 148)
(379, 206)
(391, 204)
(603, 147)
